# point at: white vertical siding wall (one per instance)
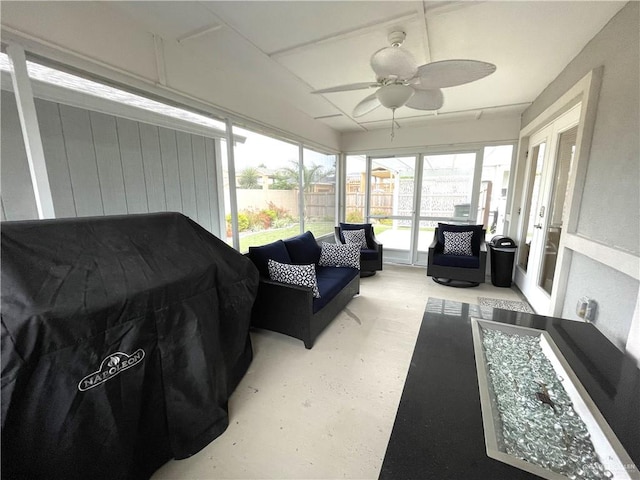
(18, 200)
(99, 164)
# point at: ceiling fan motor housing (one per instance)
(396, 38)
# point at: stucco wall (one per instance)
(615, 292)
(610, 207)
(610, 203)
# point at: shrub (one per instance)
(280, 213)
(243, 222)
(354, 216)
(383, 221)
(252, 219)
(264, 219)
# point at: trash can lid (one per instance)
(500, 241)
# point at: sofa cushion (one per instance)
(275, 251)
(303, 249)
(331, 280)
(457, 243)
(339, 255)
(302, 275)
(476, 240)
(355, 236)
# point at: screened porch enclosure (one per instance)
(406, 196)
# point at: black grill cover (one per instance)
(122, 339)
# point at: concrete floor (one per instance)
(326, 413)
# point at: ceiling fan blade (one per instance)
(426, 99)
(367, 105)
(449, 73)
(346, 88)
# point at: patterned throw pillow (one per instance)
(457, 243)
(335, 255)
(302, 275)
(355, 236)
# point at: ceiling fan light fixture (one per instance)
(394, 95)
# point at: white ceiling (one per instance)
(287, 49)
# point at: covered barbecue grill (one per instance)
(122, 340)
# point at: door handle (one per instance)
(538, 226)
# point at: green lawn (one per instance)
(252, 239)
(263, 237)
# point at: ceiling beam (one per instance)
(424, 31)
(336, 37)
(199, 32)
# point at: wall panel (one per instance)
(201, 180)
(76, 127)
(55, 154)
(170, 170)
(18, 199)
(132, 165)
(212, 183)
(100, 164)
(105, 138)
(187, 180)
(152, 163)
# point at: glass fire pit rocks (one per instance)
(536, 414)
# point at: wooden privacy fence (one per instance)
(320, 205)
(438, 205)
(317, 205)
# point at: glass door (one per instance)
(551, 152)
(405, 197)
(391, 205)
(449, 193)
(533, 208)
(553, 232)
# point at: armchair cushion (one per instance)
(458, 243)
(303, 249)
(261, 255)
(335, 255)
(355, 237)
(302, 275)
(461, 261)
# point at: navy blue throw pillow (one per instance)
(303, 249)
(275, 251)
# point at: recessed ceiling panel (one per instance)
(171, 20)
(281, 51)
(529, 42)
(275, 26)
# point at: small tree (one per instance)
(282, 181)
(310, 175)
(248, 178)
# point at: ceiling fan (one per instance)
(400, 81)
